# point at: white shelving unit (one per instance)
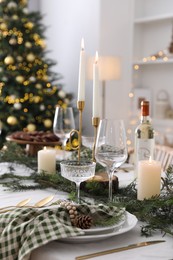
(152, 32)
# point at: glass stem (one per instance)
(110, 176)
(63, 147)
(78, 192)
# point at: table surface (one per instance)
(67, 251)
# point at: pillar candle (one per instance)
(47, 161)
(149, 179)
(96, 96)
(81, 81)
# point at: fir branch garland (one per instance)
(156, 213)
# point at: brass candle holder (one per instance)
(80, 107)
(95, 123)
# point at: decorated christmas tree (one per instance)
(29, 90)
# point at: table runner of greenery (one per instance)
(156, 213)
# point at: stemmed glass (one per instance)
(111, 148)
(63, 123)
(77, 172)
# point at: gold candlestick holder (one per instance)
(80, 107)
(95, 123)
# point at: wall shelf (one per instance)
(152, 32)
(169, 61)
(151, 19)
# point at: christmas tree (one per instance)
(29, 90)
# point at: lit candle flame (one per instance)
(150, 160)
(96, 57)
(45, 148)
(82, 44)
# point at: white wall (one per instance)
(105, 26)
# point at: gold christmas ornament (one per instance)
(29, 25)
(9, 60)
(3, 26)
(12, 120)
(24, 2)
(38, 86)
(31, 127)
(19, 58)
(17, 106)
(28, 44)
(47, 123)
(42, 43)
(30, 57)
(12, 41)
(12, 5)
(20, 79)
(15, 17)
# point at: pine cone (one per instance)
(83, 221)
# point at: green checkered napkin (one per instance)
(25, 229)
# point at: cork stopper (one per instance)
(145, 108)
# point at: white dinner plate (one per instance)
(99, 230)
(129, 224)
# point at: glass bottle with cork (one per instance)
(144, 136)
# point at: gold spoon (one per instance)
(20, 204)
(43, 202)
(38, 204)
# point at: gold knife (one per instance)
(147, 243)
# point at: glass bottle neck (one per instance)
(145, 119)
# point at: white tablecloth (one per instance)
(66, 251)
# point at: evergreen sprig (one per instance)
(156, 213)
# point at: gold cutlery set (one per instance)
(23, 203)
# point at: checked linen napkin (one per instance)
(25, 229)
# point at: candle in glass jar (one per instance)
(47, 161)
(149, 179)
(81, 81)
(96, 105)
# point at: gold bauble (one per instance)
(19, 58)
(15, 17)
(28, 44)
(12, 41)
(31, 127)
(30, 57)
(24, 2)
(9, 60)
(38, 86)
(20, 79)
(3, 26)
(29, 25)
(47, 123)
(42, 43)
(12, 120)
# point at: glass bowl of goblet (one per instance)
(77, 172)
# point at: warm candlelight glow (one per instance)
(96, 57)
(82, 44)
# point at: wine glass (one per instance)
(63, 123)
(77, 172)
(111, 148)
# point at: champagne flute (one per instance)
(111, 148)
(63, 123)
(77, 172)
